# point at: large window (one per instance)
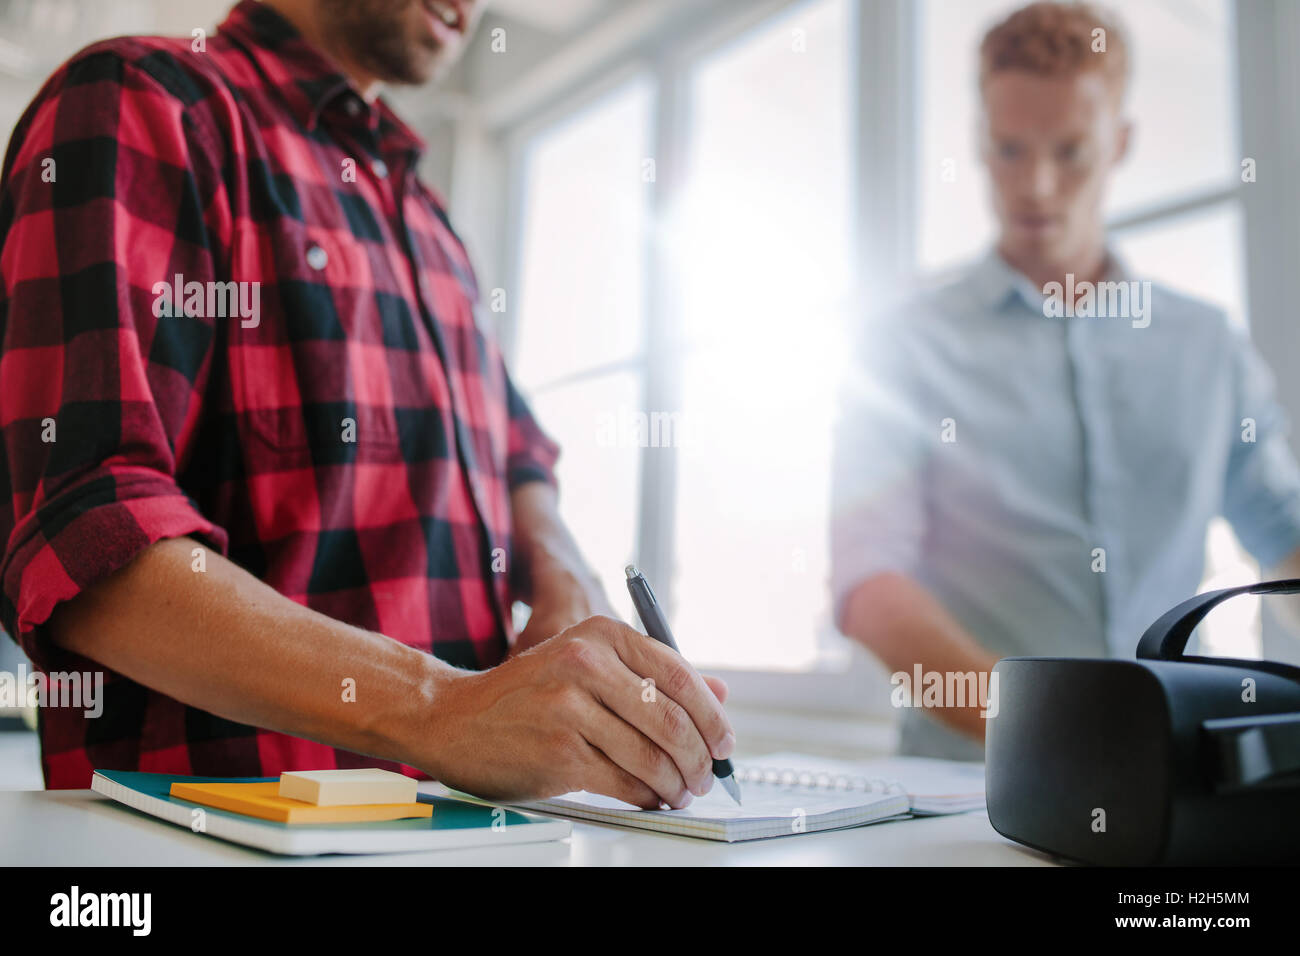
(762, 249)
(580, 340)
(688, 242)
(707, 389)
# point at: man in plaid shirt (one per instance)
(264, 469)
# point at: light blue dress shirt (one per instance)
(1003, 458)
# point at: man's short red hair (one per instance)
(1057, 39)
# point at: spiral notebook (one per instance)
(788, 794)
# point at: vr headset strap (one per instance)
(1249, 750)
(1166, 639)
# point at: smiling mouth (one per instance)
(448, 14)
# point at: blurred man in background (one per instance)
(1029, 457)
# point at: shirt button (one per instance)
(317, 258)
(351, 106)
(379, 168)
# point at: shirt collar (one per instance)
(997, 283)
(312, 82)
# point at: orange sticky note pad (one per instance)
(263, 800)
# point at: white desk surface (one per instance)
(83, 828)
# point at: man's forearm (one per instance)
(904, 625)
(552, 576)
(568, 716)
(225, 642)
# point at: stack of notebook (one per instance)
(320, 819)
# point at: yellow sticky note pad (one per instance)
(263, 800)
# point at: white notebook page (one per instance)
(761, 802)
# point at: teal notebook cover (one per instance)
(454, 823)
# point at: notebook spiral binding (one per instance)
(804, 779)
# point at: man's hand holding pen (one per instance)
(598, 707)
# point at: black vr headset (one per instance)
(1167, 759)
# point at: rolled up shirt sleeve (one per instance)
(530, 453)
(102, 198)
(1262, 487)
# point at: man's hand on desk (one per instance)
(599, 707)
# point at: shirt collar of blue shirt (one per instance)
(997, 283)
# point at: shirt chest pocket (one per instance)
(314, 379)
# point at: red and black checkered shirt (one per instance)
(352, 441)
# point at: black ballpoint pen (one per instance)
(656, 626)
